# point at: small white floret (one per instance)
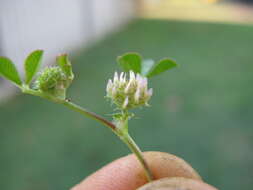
(125, 103)
(150, 92)
(109, 85)
(116, 78)
(131, 76)
(128, 87)
(142, 82)
(137, 95)
(121, 78)
(114, 90)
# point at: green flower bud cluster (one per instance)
(127, 93)
(53, 81)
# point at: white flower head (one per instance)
(128, 90)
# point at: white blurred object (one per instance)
(57, 26)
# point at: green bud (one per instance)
(53, 81)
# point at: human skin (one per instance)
(126, 173)
(177, 183)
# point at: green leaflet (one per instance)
(9, 71)
(130, 61)
(160, 67)
(32, 64)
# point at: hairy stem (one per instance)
(127, 139)
(121, 132)
(89, 114)
(71, 106)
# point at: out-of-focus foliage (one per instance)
(201, 111)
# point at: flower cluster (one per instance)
(129, 92)
(53, 81)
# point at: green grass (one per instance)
(201, 111)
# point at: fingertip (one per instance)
(163, 165)
(122, 174)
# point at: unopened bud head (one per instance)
(53, 81)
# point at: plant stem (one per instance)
(70, 105)
(89, 114)
(122, 133)
(127, 139)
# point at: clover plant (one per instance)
(127, 90)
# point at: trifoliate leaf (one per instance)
(130, 61)
(9, 71)
(32, 64)
(161, 66)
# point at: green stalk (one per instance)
(89, 114)
(127, 139)
(70, 105)
(121, 132)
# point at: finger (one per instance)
(175, 183)
(127, 174)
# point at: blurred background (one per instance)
(201, 111)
